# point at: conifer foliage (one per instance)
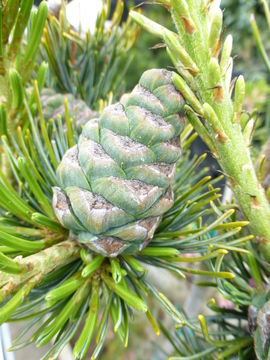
(88, 204)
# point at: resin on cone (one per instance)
(115, 184)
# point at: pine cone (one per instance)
(115, 184)
(53, 106)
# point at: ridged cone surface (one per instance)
(53, 107)
(115, 184)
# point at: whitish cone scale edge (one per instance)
(115, 184)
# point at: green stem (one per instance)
(43, 263)
(235, 161)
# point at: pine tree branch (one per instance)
(199, 38)
(41, 263)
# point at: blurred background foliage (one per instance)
(237, 22)
(148, 54)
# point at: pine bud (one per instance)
(214, 33)
(239, 98)
(214, 72)
(215, 80)
(180, 11)
(248, 131)
(214, 123)
(173, 43)
(189, 96)
(226, 53)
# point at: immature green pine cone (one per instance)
(115, 184)
(53, 106)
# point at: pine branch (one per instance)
(46, 287)
(205, 82)
(41, 263)
(236, 323)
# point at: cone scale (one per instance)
(53, 107)
(115, 184)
